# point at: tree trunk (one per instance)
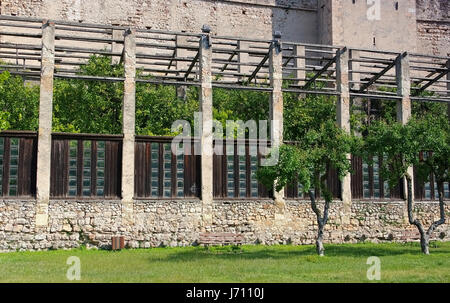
(425, 244)
(425, 236)
(423, 240)
(319, 242)
(321, 219)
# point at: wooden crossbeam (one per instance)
(191, 66)
(288, 60)
(171, 60)
(317, 75)
(260, 65)
(380, 74)
(229, 59)
(432, 81)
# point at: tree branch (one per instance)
(411, 219)
(441, 221)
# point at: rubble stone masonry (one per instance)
(74, 223)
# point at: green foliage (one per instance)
(157, 107)
(306, 113)
(240, 105)
(401, 145)
(19, 103)
(433, 132)
(311, 159)
(90, 106)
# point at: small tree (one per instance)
(401, 146)
(309, 162)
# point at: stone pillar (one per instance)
(206, 140)
(276, 102)
(448, 88)
(45, 123)
(129, 96)
(402, 73)
(343, 120)
(299, 50)
(117, 34)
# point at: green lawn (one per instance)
(343, 263)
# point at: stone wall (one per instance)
(433, 27)
(296, 19)
(178, 223)
(417, 25)
(347, 23)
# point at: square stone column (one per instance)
(206, 140)
(45, 123)
(448, 89)
(276, 102)
(343, 120)
(299, 51)
(403, 88)
(402, 72)
(129, 111)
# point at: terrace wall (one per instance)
(177, 223)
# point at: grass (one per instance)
(284, 263)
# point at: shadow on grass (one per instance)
(247, 252)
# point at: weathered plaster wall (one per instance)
(433, 27)
(177, 223)
(351, 26)
(248, 18)
(417, 25)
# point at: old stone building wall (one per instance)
(178, 223)
(433, 27)
(413, 25)
(247, 18)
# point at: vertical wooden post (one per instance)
(206, 140)
(276, 101)
(343, 120)
(45, 123)
(128, 153)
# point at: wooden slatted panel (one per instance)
(25, 176)
(263, 192)
(143, 170)
(60, 163)
(113, 168)
(357, 178)
(334, 184)
(5, 182)
(141, 175)
(219, 174)
(419, 188)
(59, 168)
